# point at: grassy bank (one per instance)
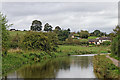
(104, 67)
(82, 49)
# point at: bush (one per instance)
(106, 43)
(82, 42)
(41, 41)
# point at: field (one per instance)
(14, 33)
(83, 49)
(92, 37)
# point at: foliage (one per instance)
(104, 67)
(5, 33)
(47, 27)
(40, 40)
(36, 25)
(106, 43)
(57, 28)
(111, 35)
(63, 35)
(115, 47)
(98, 33)
(15, 42)
(84, 34)
(115, 56)
(52, 40)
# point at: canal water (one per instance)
(77, 66)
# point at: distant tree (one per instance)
(117, 30)
(84, 34)
(63, 35)
(36, 25)
(57, 28)
(47, 27)
(111, 35)
(68, 29)
(78, 32)
(98, 33)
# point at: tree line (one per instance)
(49, 41)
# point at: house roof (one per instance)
(104, 38)
(93, 40)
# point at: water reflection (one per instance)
(65, 67)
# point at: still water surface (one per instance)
(64, 67)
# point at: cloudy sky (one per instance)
(74, 15)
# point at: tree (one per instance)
(47, 27)
(63, 35)
(115, 47)
(117, 30)
(57, 28)
(84, 34)
(5, 34)
(36, 25)
(98, 33)
(111, 35)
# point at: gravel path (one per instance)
(116, 62)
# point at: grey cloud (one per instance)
(76, 16)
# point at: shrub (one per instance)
(39, 40)
(106, 43)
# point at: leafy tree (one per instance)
(36, 25)
(98, 33)
(115, 47)
(117, 30)
(63, 35)
(111, 35)
(84, 34)
(57, 28)
(47, 27)
(5, 33)
(68, 29)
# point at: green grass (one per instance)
(104, 67)
(92, 37)
(14, 33)
(77, 48)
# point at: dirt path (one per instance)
(115, 62)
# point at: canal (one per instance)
(77, 66)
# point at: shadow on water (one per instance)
(64, 67)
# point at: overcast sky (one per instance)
(74, 15)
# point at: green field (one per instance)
(92, 37)
(14, 33)
(84, 49)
